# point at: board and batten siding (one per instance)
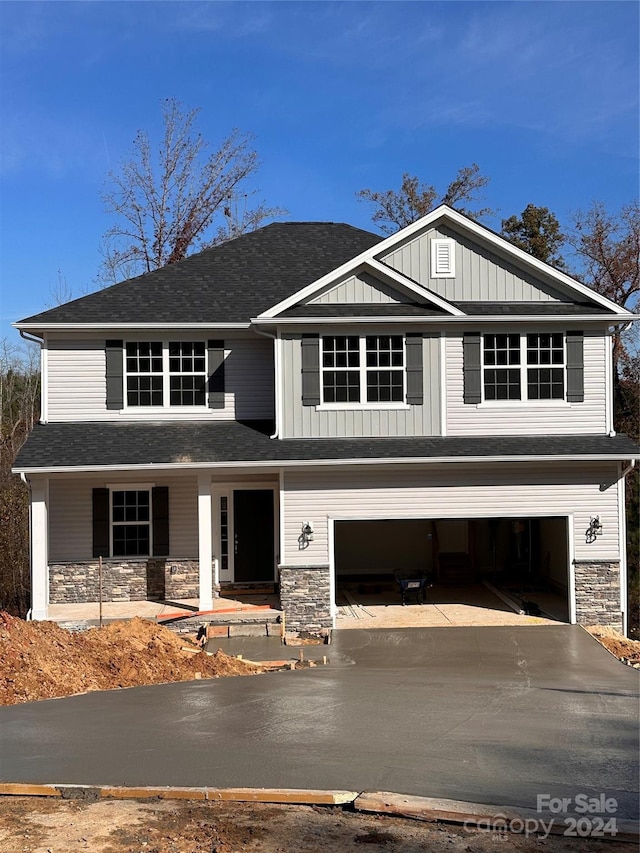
(71, 525)
(310, 422)
(533, 417)
(450, 491)
(359, 289)
(480, 275)
(76, 381)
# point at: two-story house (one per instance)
(310, 401)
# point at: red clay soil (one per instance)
(41, 660)
(624, 649)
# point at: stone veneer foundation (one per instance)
(150, 579)
(598, 593)
(305, 597)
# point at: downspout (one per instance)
(26, 337)
(25, 480)
(276, 368)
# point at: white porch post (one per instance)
(39, 548)
(205, 550)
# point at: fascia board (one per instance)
(313, 463)
(466, 319)
(81, 327)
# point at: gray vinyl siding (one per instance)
(528, 417)
(359, 289)
(77, 385)
(480, 275)
(310, 422)
(450, 491)
(70, 515)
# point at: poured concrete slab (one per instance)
(489, 715)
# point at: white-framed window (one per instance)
(443, 258)
(165, 373)
(529, 366)
(363, 369)
(131, 520)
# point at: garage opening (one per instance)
(453, 569)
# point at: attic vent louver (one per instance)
(443, 259)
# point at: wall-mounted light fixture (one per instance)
(307, 534)
(594, 529)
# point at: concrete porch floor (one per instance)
(111, 611)
(446, 606)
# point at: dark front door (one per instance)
(253, 535)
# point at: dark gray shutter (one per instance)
(415, 396)
(101, 522)
(160, 509)
(215, 383)
(472, 370)
(115, 380)
(575, 367)
(310, 370)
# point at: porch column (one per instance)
(205, 551)
(39, 548)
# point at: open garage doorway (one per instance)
(451, 571)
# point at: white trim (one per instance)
(333, 605)
(467, 319)
(129, 487)
(205, 542)
(572, 569)
(39, 515)
(217, 492)
(608, 383)
(276, 464)
(443, 384)
(447, 213)
(44, 381)
(361, 407)
(281, 557)
(278, 384)
(622, 539)
(66, 327)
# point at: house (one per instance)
(311, 402)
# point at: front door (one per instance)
(253, 535)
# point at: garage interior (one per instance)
(518, 567)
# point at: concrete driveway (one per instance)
(494, 715)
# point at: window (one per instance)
(157, 372)
(131, 523)
(341, 369)
(524, 367)
(443, 255)
(144, 374)
(187, 373)
(367, 369)
(545, 380)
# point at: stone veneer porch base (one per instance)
(152, 579)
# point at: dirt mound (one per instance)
(624, 649)
(41, 660)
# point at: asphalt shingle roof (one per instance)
(533, 309)
(95, 444)
(227, 284)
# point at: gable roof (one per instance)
(446, 214)
(229, 283)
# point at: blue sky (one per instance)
(340, 96)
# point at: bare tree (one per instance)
(607, 247)
(395, 209)
(180, 201)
